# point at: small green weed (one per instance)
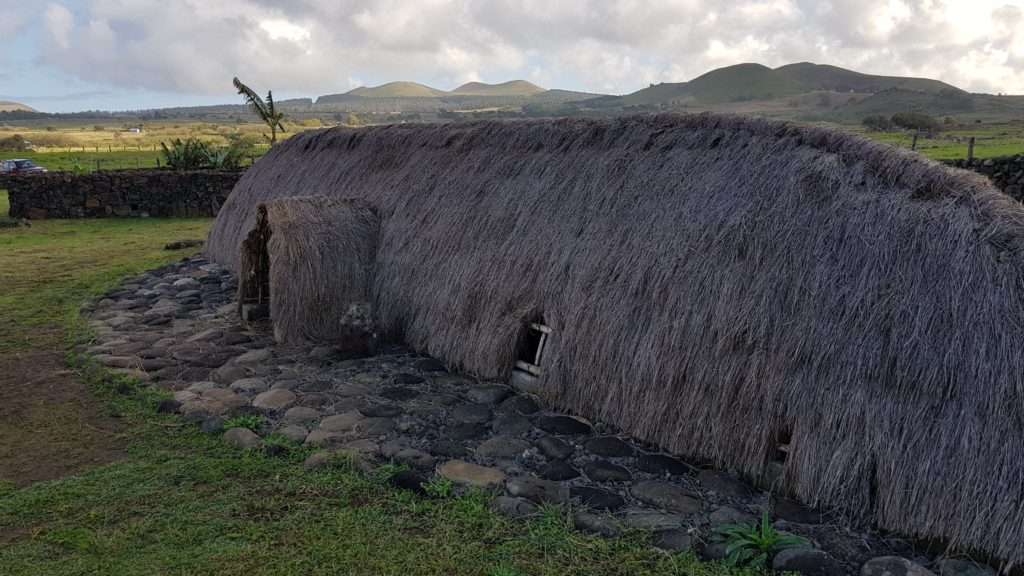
(250, 421)
(390, 469)
(439, 487)
(748, 545)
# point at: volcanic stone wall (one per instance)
(118, 193)
(1007, 173)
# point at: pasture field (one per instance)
(111, 147)
(990, 141)
(65, 146)
(171, 500)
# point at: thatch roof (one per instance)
(715, 285)
(312, 260)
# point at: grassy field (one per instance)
(990, 142)
(116, 160)
(180, 502)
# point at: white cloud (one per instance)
(324, 46)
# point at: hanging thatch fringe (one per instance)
(714, 285)
(311, 259)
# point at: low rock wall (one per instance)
(1007, 173)
(118, 193)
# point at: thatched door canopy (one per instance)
(312, 259)
(715, 285)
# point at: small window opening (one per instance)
(782, 446)
(531, 347)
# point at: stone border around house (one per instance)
(177, 328)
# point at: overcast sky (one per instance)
(129, 54)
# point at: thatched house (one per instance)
(719, 286)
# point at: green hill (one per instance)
(511, 88)
(397, 90)
(742, 82)
(15, 107)
(835, 79)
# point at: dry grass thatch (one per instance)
(311, 259)
(715, 285)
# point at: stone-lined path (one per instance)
(178, 329)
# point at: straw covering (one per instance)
(715, 285)
(312, 260)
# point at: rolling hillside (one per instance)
(397, 90)
(511, 88)
(746, 82)
(835, 79)
(15, 107)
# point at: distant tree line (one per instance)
(905, 120)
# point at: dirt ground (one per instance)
(50, 424)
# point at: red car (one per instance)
(20, 166)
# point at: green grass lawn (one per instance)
(952, 145)
(181, 502)
(103, 160)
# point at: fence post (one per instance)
(970, 149)
(913, 145)
(97, 164)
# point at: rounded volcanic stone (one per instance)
(519, 405)
(250, 386)
(381, 410)
(729, 515)
(229, 373)
(893, 566)
(254, 356)
(301, 415)
(490, 394)
(516, 508)
(398, 393)
(471, 474)
(537, 490)
(793, 511)
(559, 424)
(667, 497)
(465, 431)
(608, 446)
(559, 470)
(662, 465)
(595, 523)
(604, 471)
(554, 448)
(471, 413)
(274, 400)
(416, 459)
(807, 561)
(392, 447)
(213, 425)
(722, 483)
(296, 434)
(375, 426)
(341, 422)
(405, 378)
(512, 425)
(242, 438)
(598, 498)
(964, 567)
(502, 447)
